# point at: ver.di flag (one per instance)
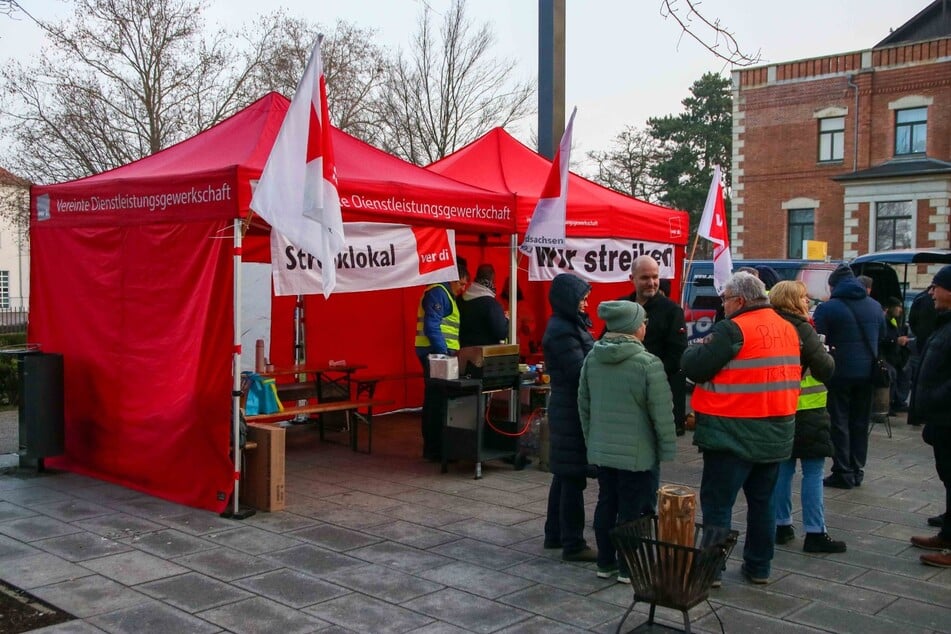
(297, 193)
(713, 227)
(547, 226)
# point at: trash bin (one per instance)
(41, 418)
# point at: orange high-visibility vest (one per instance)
(763, 379)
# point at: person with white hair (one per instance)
(747, 378)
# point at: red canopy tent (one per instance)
(132, 280)
(499, 162)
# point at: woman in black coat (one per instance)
(566, 342)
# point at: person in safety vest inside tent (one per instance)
(747, 383)
(437, 332)
(812, 443)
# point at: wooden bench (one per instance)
(358, 411)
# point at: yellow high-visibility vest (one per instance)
(812, 394)
(449, 324)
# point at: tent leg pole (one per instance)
(236, 512)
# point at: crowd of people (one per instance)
(774, 387)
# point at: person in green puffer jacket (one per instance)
(626, 410)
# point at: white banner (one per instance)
(598, 259)
(375, 256)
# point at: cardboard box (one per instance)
(262, 479)
(443, 367)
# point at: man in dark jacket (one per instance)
(930, 396)
(747, 383)
(853, 324)
(894, 350)
(666, 336)
(483, 318)
(566, 342)
(921, 320)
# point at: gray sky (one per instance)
(625, 61)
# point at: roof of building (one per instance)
(897, 167)
(931, 22)
(8, 178)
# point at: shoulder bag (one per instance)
(878, 375)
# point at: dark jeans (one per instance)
(622, 496)
(724, 474)
(942, 462)
(565, 521)
(850, 407)
(434, 411)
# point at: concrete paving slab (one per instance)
(89, 596)
(193, 592)
(81, 546)
(292, 588)
(152, 616)
(361, 613)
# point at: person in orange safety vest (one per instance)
(747, 377)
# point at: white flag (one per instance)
(547, 226)
(297, 193)
(713, 227)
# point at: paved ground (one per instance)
(385, 543)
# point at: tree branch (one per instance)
(709, 34)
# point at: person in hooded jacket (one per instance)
(566, 342)
(853, 324)
(626, 408)
(812, 442)
(483, 320)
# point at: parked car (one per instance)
(891, 270)
(700, 300)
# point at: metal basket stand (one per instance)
(671, 575)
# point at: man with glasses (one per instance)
(747, 379)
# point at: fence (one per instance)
(13, 320)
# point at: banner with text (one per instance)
(375, 256)
(598, 259)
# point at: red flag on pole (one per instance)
(297, 193)
(714, 228)
(547, 226)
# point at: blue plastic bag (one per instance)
(262, 395)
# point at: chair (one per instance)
(671, 575)
(881, 404)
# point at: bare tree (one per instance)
(708, 32)
(14, 203)
(626, 166)
(447, 90)
(353, 65)
(119, 80)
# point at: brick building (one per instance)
(852, 148)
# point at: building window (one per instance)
(801, 227)
(893, 225)
(4, 289)
(831, 139)
(911, 131)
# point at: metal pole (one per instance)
(551, 75)
(236, 370)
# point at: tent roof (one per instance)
(499, 162)
(209, 175)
